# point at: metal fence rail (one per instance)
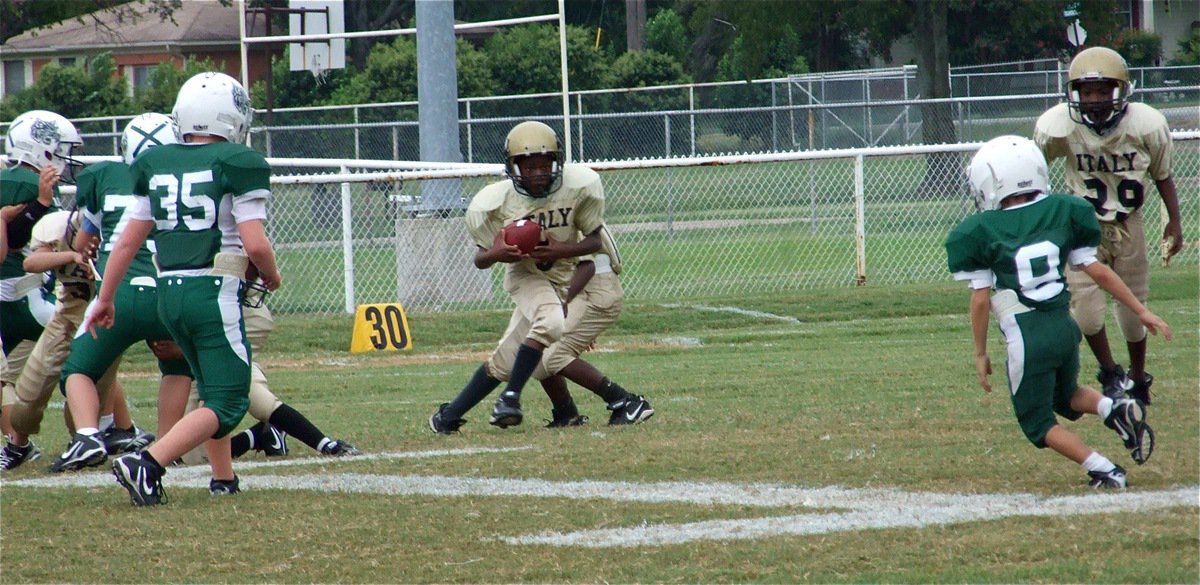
(702, 227)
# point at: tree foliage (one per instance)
(1140, 48)
(1189, 49)
(666, 34)
(77, 91)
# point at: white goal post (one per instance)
(560, 18)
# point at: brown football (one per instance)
(524, 234)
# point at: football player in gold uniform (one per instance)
(1113, 150)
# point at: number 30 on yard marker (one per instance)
(380, 327)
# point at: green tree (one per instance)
(74, 92)
(1140, 48)
(666, 34)
(164, 83)
(525, 59)
(1189, 49)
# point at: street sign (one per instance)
(1075, 34)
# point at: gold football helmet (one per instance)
(529, 138)
(1098, 64)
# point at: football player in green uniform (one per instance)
(205, 200)
(1020, 245)
(105, 198)
(1113, 151)
(39, 147)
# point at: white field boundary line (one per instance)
(734, 310)
(836, 509)
(198, 475)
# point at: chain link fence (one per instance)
(831, 196)
(699, 228)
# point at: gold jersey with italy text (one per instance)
(573, 211)
(1113, 172)
(51, 232)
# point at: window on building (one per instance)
(67, 61)
(14, 76)
(139, 76)
(1125, 14)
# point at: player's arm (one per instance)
(258, 249)
(1108, 280)
(500, 251)
(579, 279)
(980, 311)
(3, 241)
(557, 250)
(47, 181)
(44, 258)
(1173, 232)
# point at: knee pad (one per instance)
(8, 395)
(1131, 326)
(1089, 319)
(262, 401)
(549, 325)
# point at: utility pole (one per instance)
(635, 24)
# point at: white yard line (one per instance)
(834, 509)
(736, 311)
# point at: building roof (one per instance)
(196, 22)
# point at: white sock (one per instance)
(1104, 408)
(88, 431)
(106, 421)
(324, 442)
(1098, 462)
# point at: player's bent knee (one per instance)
(263, 402)
(229, 409)
(1089, 324)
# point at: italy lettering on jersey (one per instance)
(18, 185)
(50, 233)
(1115, 171)
(573, 211)
(1026, 248)
(105, 196)
(193, 190)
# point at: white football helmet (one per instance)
(1006, 166)
(145, 132)
(529, 138)
(39, 138)
(214, 104)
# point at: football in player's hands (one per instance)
(525, 234)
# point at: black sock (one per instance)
(611, 391)
(479, 386)
(566, 409)
(243, 441)
(527, 361)
(146, 456)
(290, 421)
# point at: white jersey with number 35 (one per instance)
(1113, 171)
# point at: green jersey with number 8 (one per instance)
(195, 191)
(1026, 248)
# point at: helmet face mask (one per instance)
(145, 132)
(41, 138)
(1006, 166)
(1098, 89)
(213, 104)
(533, 159)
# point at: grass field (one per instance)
(826, 435)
